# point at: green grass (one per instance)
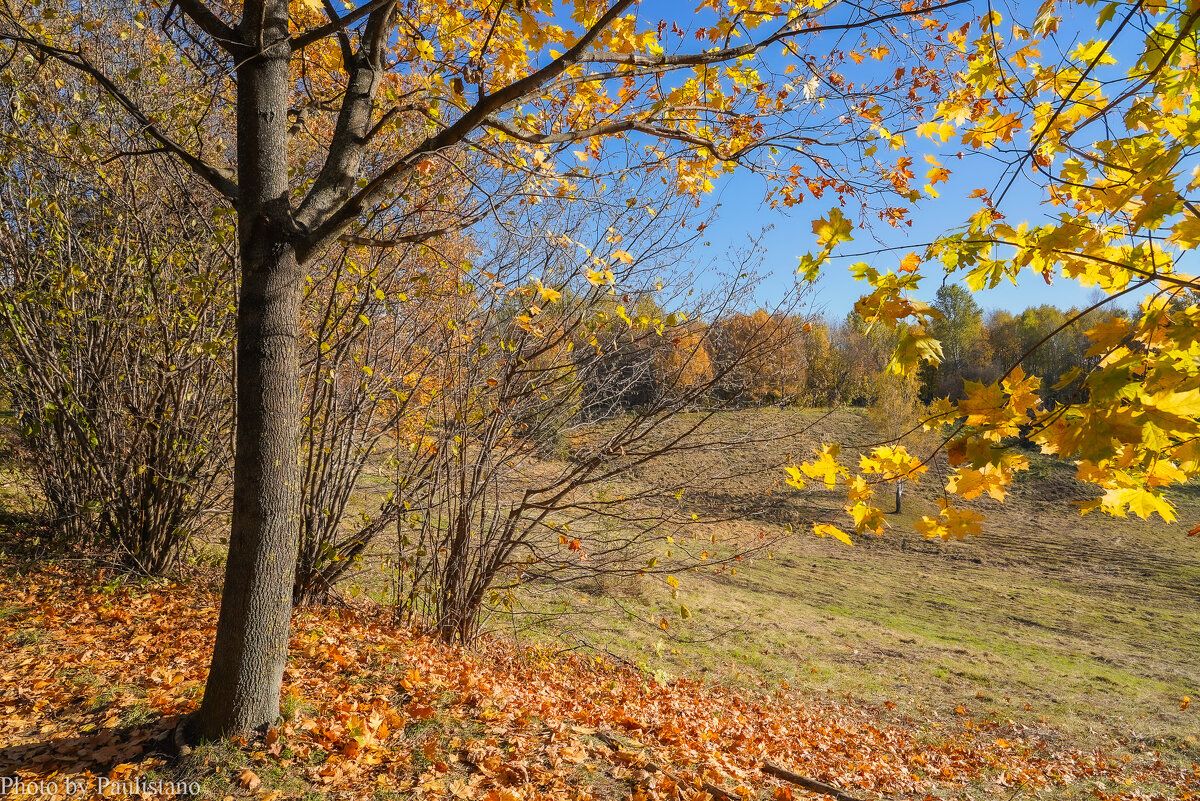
(137, 713)
(1080, 626)
(11, 611)
(27, 636)
(217, 765)
(291, 706)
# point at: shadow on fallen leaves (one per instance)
(116, 751)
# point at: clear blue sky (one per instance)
(742, 215)
(787, 234)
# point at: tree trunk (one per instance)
(242, 693)
(453, 615)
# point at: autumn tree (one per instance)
(894, 404)
(1004, 341)
(1057, 347)
(959, 329)
(765, 353)
(339, 115)
(1104, 127)
(682, 360)
(840, 365)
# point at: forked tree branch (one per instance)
(343, 34)
(327, 229)
(336, 24)
(352, 131)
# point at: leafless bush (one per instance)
(559, 390)
(373, 362)
(115, 307)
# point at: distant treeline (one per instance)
(762, 358)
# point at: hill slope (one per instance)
(1084, 626)
(96, 674)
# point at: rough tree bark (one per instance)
(246, 675)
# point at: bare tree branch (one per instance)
(75, 59)
(223, 35)
(609, 129)
(410, 239)
(790, 30)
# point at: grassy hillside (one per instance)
(1082, 625)
(1049, 656)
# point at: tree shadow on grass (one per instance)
(26, 538)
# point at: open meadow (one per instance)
(1076, 627)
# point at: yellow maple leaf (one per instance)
(1186, 232)
(968, 483)
(827, 530)
(425, 50)
(1145, 503)
(941, 131)
(795, 478)
(867, 518)
(598, 277)
(548, 295)
(931, 527)
(1022, 392)
(915, 348)
(954, 522)
(1181, 404)
(961, 522)
(825, 467)
(984, 404)
(859, 490)
(833, 230)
